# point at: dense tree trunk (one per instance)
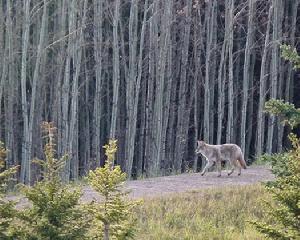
(25, 163)
(247, 72)
(98, 100)
(288, 89)
(277, 6)
(229, 132)
(158, 112)
(116, 71)
(260, 144)
(157, 75)
(10, 85)
(210, 15)
(183, 114)
(134, 83)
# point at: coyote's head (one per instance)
(200, 146)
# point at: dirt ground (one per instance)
(154, 187)
(159, 186)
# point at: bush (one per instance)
(113, 215)
(7, 208)
(55, 213)
(285, 217)
(277, 162)
(285, 189)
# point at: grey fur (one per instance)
(215, 154)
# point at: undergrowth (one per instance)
(221, 213)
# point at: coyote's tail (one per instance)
(242, 161)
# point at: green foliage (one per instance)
(278, 163)
(285, 191)
(219, 213)
(7, 208)
(55, 213)
(5, 175)
(113, 216)
(289, 53)
(286, 111)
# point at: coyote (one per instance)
(215, 154)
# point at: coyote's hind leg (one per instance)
(238, 165)
(233, 165)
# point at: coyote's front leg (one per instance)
(207, 166)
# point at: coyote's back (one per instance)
(232, 151)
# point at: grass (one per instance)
(213, 214)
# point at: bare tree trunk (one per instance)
(106, 231)
(98, 102)
(8, 73)
(35, 84)
(58, 89)
(67, 146)
(25, 163)
(131, 86)
(3, 48)
(249, 131)
(73, 137)
(288, 90)
(221, 84)
(135, 88)
(2, 28)
(207, 98)
(237, 82)
(143, 84)
(262, 91)
(246, 74)
(168, 116)
(198, 48)
(141, 133)
(282, 68)
(274, 69)
(150, 95)
(160, 85)
(229, 134)
(183, 114)
(86, 138)
(116, 71)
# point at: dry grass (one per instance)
(220, 213)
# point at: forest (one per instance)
(157, 75)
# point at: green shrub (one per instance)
(277, 162)
(113, 215)
(285, 190)
(7, 208)
(55, 213)
(286, 111)
(289, 53)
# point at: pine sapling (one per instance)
(55, 213)
(7, 208)
(284, 214)
(113, 215)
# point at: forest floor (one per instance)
(175, 184)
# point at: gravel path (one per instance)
(158, 186)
